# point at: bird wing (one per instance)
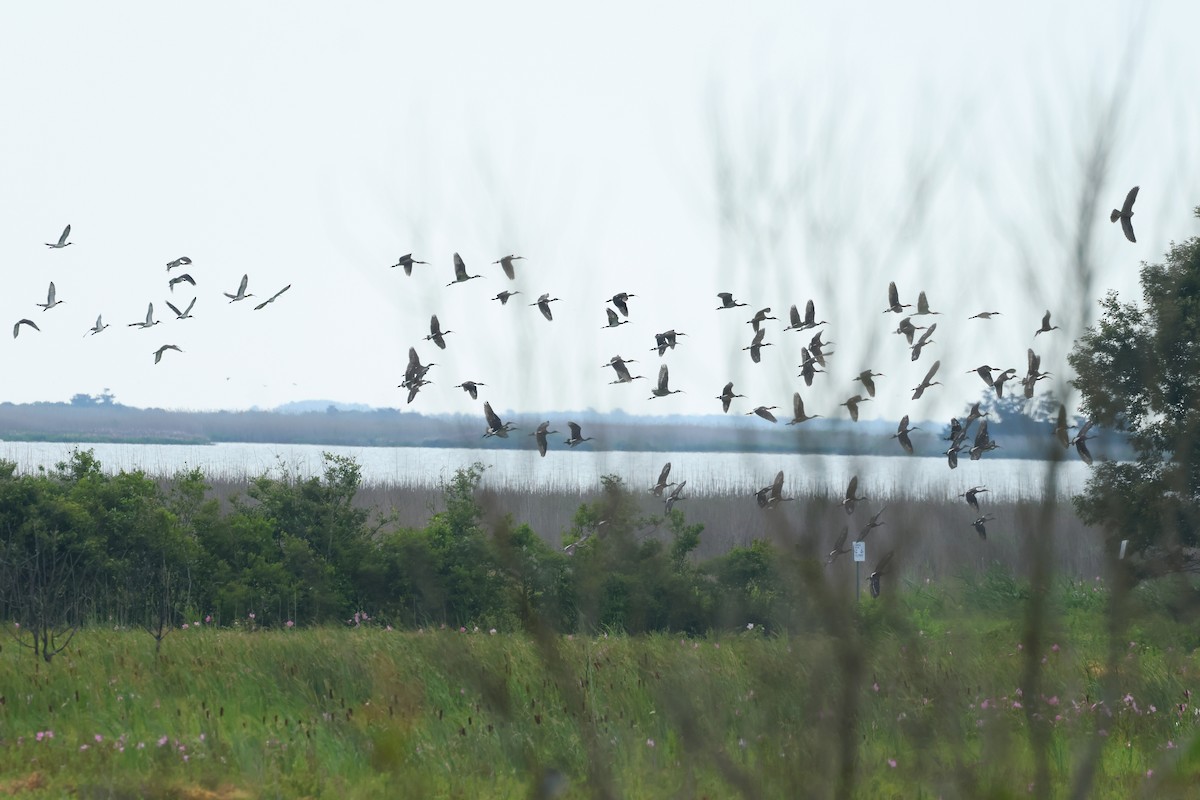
(1127, 226)
(1046, 320)
(613, 319)
(893, 295)
(460, 268)
(777, 485)
(507, 265)
(544, 306)
(274, 296)
(1126, 209)
(666, 470)
(905, 442)
(188, 310)
(662, 378)
(1082, 448)
(98, 321)
(67, 232)
(435, 328)
(726, 297)
(765, 414)
(932, 371)
(576, 431)
(176, 311)
(797, 405)
(852, 489)
(150, 314)
(922, 304)
(50, 294)
(492, 420)
(242, 286)
(925, 336)
(903, 426)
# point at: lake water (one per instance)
(579, 470)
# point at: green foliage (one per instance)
(1139, 371)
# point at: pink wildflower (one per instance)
(208, 618)
(649, 743)
(892, 763)
(290, 624)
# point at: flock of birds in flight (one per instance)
(149, 322)
(813, 361)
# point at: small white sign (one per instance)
(860, 551)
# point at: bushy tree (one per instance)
(1138, 371)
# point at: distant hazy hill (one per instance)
(306, 406)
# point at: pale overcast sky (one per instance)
(937, 145)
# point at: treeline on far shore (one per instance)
(79, 545)
(1024, 432)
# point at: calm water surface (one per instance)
(579, 470)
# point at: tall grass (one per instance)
(370, 712)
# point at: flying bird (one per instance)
(623, 376)
(984, 315)
(727, 301)
(908, 330)
(901, 434)
(661, 389)
(726, 396)
(952, 456)
(970, 495)
(771, 496)
(923, 306)
(99, 326)
(51, 302)
(817, 348)
(759, 318)
(874, 523)
(852, 405)
(150, 320)
(460, 271)
(503, 296)
(506, 264)
(182, 278)
(495, 426)
(621, 300)
(62, 240)
(540, 436)
(756, 346)
(614, 320)
(927, 381)
(666, 339)
(661, 483)
(879, 571)
(272, 298)
(851, 496)
(436, 333)
(1125, 214)
(20, 322)
(241, 292)
(764, 412)
(182, 261)
(979, 523)
(472, 388)
(924, 340)
(1080, 442)
(798, 415)
(1046, 326)
(808, 321)
(894, 303)
(186, 313)
(577, 436)
(808, 366)
(407, 262)
(866, 378)
(543, 304)
(984, 372)
(675, 496)
(839, 546)
(158, 354)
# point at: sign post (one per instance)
(860, 555)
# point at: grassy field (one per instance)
(920, 695)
